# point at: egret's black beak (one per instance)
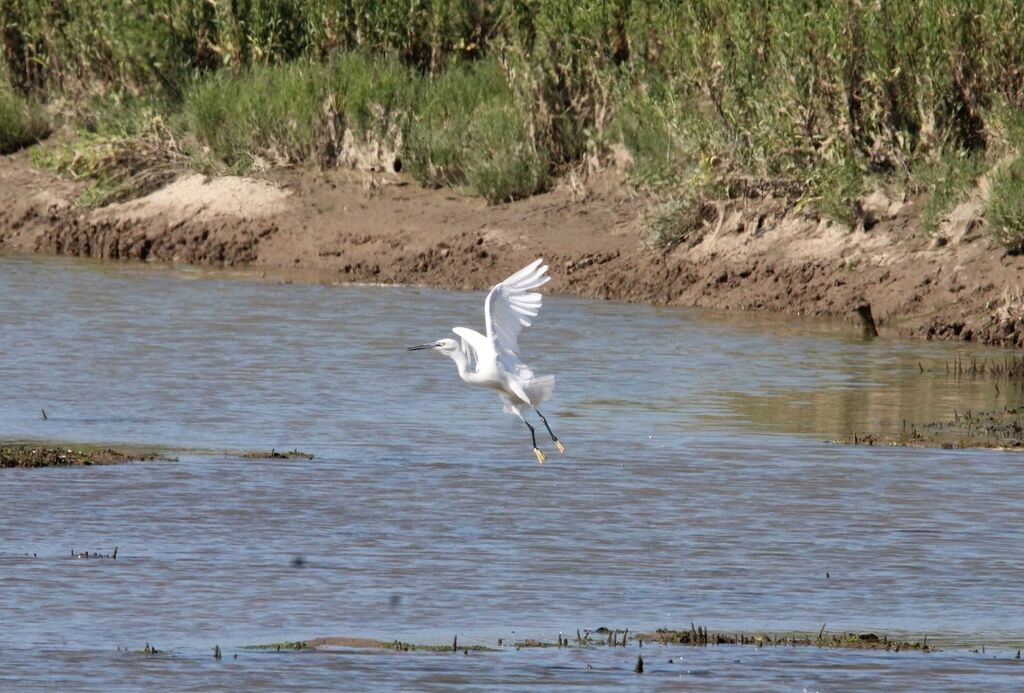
(420, 346)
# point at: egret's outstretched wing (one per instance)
(511, 304)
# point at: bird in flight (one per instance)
(492, 360)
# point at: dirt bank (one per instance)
(342, 226)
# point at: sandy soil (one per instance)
(342, 226)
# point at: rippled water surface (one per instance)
(698, 486)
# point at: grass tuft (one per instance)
(22, 122)
(1005, 209)
(502, 163)
(678, 219)
(118, 167)
(949, 180)
(267, 114)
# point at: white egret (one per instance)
(492, 360)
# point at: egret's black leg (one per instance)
(558, 443)
(533, 435)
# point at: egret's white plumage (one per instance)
(492, 360)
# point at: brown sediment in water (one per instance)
(33, 456)
(340, 227)
(998, 429)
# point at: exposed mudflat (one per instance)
(1002, 429)
(342, 226)
(30, 456)
(611, 638)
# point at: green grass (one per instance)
(436, 145)
(124, 159)
(654, 130)
(464, 128)
(265, 113)
(811, 100)
(677, 219)
(502, 163)
(948, 180)
(22, 122)
(1005, 209)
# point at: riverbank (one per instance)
(342, 226)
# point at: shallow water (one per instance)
(698, 486)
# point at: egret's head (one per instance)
(444, 346)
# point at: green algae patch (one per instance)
(30, 456)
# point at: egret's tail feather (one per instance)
(540, 389)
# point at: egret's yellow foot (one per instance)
(539, 454)
(561, 448)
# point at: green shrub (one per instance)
(374, 93)
(273, 112)
(648, 127)
(1005, 209)
(436, 146)
(22, 122)
(948, 180)
(502, 163)
(268, 112)
(834, 189)
(677, 219)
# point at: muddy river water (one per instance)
(699, 485)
